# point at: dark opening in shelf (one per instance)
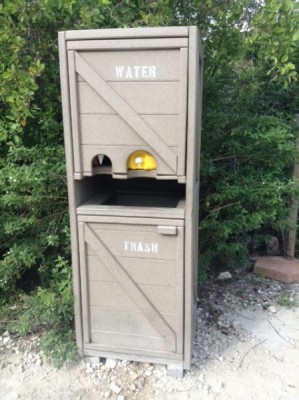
(143, 200)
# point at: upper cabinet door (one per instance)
(128, 95)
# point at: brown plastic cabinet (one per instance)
(129, 96)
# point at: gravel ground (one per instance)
(246, 347)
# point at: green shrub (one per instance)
(34, 226)
(288, 300)
(49, 311)
(33, 219)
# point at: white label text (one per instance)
(140, 247)
(135, 72)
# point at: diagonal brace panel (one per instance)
(119, 105)
(131, 288)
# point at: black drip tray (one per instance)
(142, 200)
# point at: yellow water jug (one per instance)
(141, 160)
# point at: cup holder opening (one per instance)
(101, 160)
(101, 163)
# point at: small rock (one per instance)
(220, 358)
(115, 388)
(121, 398)
(110, 363)
(272, 310)
(107, 395)
(133, 375)
(139, 383)
(38, 362)
(224, 276)
(224, 321)
(132, 387)
(6, 340)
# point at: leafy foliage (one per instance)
(248, 137)
(288, 300)
(34, 222)
(250, 97)
(277, 37)
(50, 311)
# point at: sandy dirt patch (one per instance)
(246, 347)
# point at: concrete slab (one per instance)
(279, 268)
(272, 331)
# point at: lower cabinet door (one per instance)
(132, 287)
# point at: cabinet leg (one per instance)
(175, 371)
(93, 361)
